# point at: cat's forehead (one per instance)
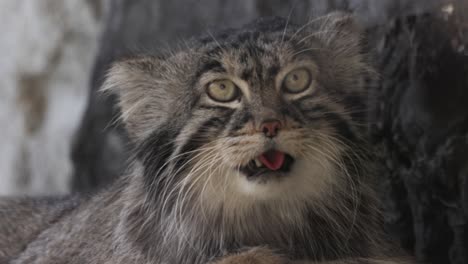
(246, 59)
(262, 30)
(249, 52)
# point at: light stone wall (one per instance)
(47, 49)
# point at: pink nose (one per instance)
(270, 127)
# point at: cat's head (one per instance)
(269, 112)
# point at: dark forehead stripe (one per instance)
(211, 65)
(211, 61)
(263, 30)
(247, 44)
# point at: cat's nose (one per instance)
(270, 128)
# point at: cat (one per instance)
(250, 147)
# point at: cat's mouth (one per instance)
(270, 161)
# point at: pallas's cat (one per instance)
(250, 147)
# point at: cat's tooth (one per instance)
(258, 163)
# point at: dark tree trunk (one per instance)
(420, 118)
(421, 122)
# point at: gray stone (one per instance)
(47, 50)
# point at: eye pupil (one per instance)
(222, 86)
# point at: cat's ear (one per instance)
(341, 31)
(342, 36)
(137, 84)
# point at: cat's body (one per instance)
(248, 141)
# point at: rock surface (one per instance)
(421, 123)
(47, 49)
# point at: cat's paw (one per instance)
(253, 256)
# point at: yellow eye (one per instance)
(297, 81)
(222, 91)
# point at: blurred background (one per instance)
(59, 136)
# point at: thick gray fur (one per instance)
(150, 217)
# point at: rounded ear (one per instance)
(348, 61)
(344, 22)
(136, 82)
(341, 31)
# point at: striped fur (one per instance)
(186, 201)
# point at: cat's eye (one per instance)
(297, 80)
(223, 91)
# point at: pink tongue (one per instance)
(272, 159)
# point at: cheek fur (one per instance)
(317, 168)
(238, 151)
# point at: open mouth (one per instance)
(268, 162)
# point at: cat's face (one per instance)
(266, 113)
